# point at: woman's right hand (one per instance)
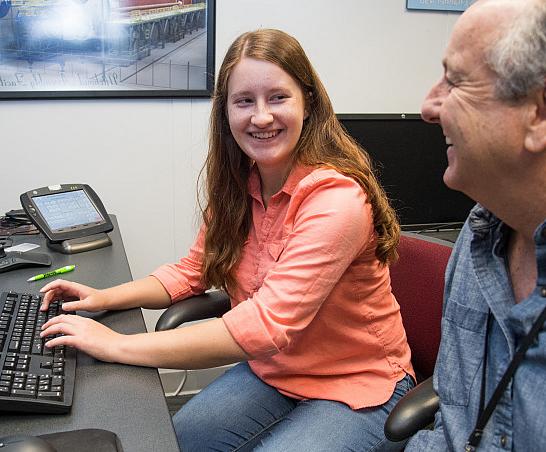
(76, 297)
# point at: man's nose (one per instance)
(430, 110)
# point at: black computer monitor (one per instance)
(409, 156)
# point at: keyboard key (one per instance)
(50, 395)
(22, 393)
(14, 346)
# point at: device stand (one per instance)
(81, 244)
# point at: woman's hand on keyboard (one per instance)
(75, 296)
(84, 334)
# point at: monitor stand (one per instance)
(81, 244)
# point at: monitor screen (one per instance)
(409, 156)
(67, 209)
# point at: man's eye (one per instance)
(450, 84)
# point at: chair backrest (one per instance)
(417, 281)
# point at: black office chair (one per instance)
(208, 305)
(417, 280)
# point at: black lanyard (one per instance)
(484, 415)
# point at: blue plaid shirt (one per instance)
(478, 280)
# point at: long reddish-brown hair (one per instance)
(323, 142)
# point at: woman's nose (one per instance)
(262, 116)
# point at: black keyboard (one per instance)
(33, 378)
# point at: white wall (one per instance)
(142, 156)
(372, 55)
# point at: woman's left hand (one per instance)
(84, 334)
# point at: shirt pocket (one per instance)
(276, 248)
(461, 352)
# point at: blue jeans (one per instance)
(238, 411)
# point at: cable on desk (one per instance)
(10, 225)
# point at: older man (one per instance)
(491, 105)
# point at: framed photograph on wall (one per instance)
(439, 5)
(106, 48)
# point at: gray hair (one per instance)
(519, 57)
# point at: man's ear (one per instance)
(535, 139)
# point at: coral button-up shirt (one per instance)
(313, 307)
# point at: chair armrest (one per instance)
(207, 305)
(413, 412)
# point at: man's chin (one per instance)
(450, 179)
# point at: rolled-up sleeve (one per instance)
(327, 225)
(183, 279)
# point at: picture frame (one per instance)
(52, 49)
(439, 5)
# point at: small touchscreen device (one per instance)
(66, 212)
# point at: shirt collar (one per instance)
(297, 173)
(540, 240)
(483, 222)
(540, 234)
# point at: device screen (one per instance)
(67, 209)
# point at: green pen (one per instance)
(59, 271)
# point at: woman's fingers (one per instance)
(60, 289)
(75, 296)
(61, 324)
(82, 333)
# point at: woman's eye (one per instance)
(279, 97)
(244, 101)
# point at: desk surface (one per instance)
(126, 400)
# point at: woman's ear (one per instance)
(308, 100)
(535, 139)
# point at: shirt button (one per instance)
(543, 291)
(503, 440)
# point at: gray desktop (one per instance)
(126, 400)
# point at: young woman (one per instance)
(300, 234)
